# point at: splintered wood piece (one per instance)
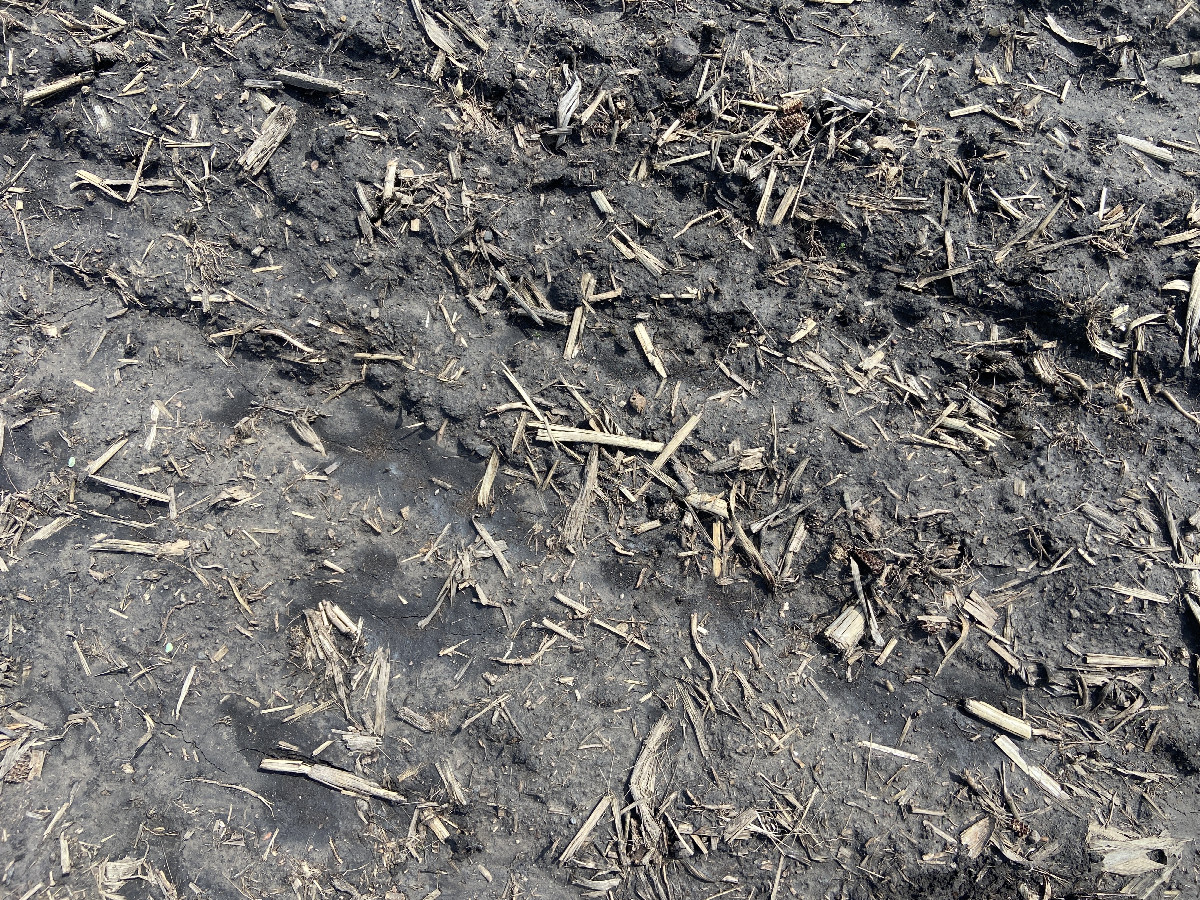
(643, 338)
(795, 542)
(51, 528)
(572, 531)
(304, 82)
(141, 548)
(632, 250)
(752, 551)
(100, 184)
(585, 830)
(574, 605)
(330, 777)
(1002, 720)
(602, 204)
(563, 434)
(415, 719)
(643, 776)
(803, 330)
(274, 131)
(1132, 592)
(450, 780)
(389, 181)
(980, 610)
(847, 629)
(1191, 317)
(382, 682)
(1038, 775)
(761, 214)
(713, 504)
(472, 33)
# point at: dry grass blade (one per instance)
(643, 776)
(308, 434)
(1191, 318)
(436, 34)
(135, 490)
(337, 779)
(1147, 148)
(572, 531)
(1002, 720)
(585, 830)
(1035, 773)
(483, 496)
(563, 434)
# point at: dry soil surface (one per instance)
(654, 450)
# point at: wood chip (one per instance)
(572, 531)
(847, 629)
(1127, 855)
(305, 82)
(274, 132)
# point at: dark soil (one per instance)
(931, 311)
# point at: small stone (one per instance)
(66, 59)
(680, 55)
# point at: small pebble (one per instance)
(680, 55)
